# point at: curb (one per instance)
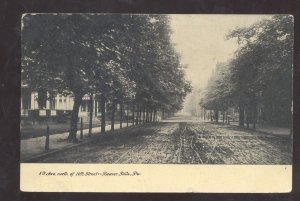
(43, 155)
(94, 136)
(254, 130)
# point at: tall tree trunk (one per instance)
(163, 114)
(151, 114)
(42, 98)
(121, 113)
(133, 113)
(144, 114)
(241, 114)
(91, 114)
(137, 116)
(140, 114)
(102, 105)
(247, 117)
(96, 108)
(217, 115)
(74, 118)
(147, 114)
(223, 117)
(254, 114)
(51, 100)
(113, 110)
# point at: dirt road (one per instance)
(182, 142)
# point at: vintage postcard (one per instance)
(156, 103)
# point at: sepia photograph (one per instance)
(156, 89)
(195, 94)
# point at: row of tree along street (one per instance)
(121, 59)
(258, 80)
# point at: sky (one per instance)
(201, 42)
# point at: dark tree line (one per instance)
(258, 80)
(119, 59)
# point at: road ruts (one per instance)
(156, 148)
(181, 142)
(152, 143)
(205, 143)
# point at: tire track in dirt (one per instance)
(181, 143)
(210, 146)
(156, 148)
(127, 156)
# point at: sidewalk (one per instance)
(261, 128)
(38, 130)
(35, 147)
(274, 130)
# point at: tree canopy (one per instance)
(260, 74)
(121, 57)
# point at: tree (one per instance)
(263, 68)
(259, 77)
(67, 55)
(218, 94)
(85, 54)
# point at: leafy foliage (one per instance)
(120, 57)
(260, 74)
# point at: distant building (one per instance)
(29, 101)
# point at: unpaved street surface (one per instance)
(213, 144)
(179, 142)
